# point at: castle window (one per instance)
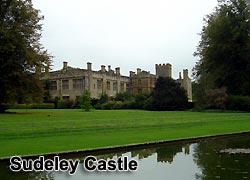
(122, 87)
(99, 84)
(65, 97)
(140, 91)
(108, 85)
(115, 87)
(65, 84)
(53, 85)
(127, 87)
(139, 82)
(77, 84)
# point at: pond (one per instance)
(210, 159)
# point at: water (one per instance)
(180, 161)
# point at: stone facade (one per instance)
(142, 81)
(70, 83)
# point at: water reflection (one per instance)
(216, 165)
(182, 161)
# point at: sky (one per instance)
(129, 34)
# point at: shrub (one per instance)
(43, 106)
(85, 101)
(112, 105)
(62, 104)
(33, 106)
(123, 96)
(3, 107)
(70, 103)
(99, 102)
(216, 98)
(140, 100)
(148, 104)
(131, 104)
(241, 103)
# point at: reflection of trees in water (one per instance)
(144, 153)
(216, 165)
(167, 154)
(6, 173)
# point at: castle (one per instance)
(70, 83)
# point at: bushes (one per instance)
(241, 103)
(62, 104)
(85, 101)
(112, 105)
(216, 98)
(219, 99)
(3, 107)
(33, 106)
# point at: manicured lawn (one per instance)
(41, 131)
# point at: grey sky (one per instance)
(123, 33)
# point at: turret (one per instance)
(117, 71)
(164, 70)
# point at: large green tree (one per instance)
(224, 49)
(168, 95)
(20, 51)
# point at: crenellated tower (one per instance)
(163, 70)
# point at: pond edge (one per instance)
(137, 145)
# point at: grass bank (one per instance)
(24, 132)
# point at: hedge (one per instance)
(33, 106)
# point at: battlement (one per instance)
(163, 65)
(163, 70)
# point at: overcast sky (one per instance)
(123, 33)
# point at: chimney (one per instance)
(109, 68)
(179, 75)
(117, 71)
(131, 73)
(89, 66)
(138, 70)
(185, 73)
(103, 68)
(65, 64)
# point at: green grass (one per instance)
(41, 131)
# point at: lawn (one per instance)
(24, 132)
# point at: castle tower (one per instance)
(187, 84)
(164, 70)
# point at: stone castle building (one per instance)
(70, 83)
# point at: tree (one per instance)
(20, 51)
(224, 49)
(47, 86)
(168, 95)
(85, 101)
